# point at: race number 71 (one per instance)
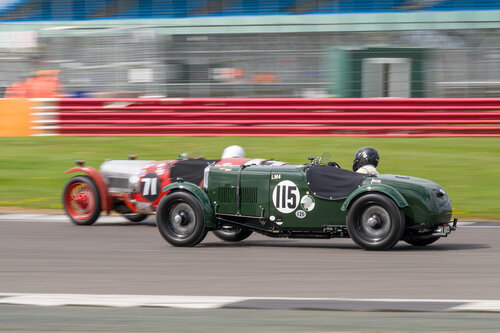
(149, 187)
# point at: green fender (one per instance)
(381, 188)
(195, 190)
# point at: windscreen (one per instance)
(189, 170)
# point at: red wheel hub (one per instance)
(79, 200)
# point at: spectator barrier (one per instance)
(395, 117)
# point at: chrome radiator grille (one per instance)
(116, 184)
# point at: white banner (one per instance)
(18, 39)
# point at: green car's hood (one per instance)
(401, 180)
(428, 201)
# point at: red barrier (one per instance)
(253, 118)
(277, 117)
(306, 104)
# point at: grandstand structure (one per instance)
(256, 48)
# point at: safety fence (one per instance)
(391, 117)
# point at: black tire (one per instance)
(375, 222)
(81, 200)
(180, 219)
(135, 217)
(416, 240)
(233, 234)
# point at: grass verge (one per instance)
(32, 169)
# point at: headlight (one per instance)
(133, 184)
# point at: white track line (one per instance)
(214, 302)
(489, 306)
(187, 302)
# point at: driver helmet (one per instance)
(365, 156)
(233, 152)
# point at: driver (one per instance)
(365, 161)
(233, 152)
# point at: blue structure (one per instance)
(57, 10)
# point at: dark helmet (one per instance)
(365, 156)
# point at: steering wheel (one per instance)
(325, 159)
(333, 164)
(315, 160)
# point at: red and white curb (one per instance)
(218, 302)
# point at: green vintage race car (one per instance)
(314, 200)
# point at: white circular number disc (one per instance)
(286, 196)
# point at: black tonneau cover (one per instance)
(189, 170)
(329, 182)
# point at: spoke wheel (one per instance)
(180, 219)
(81, 200)
(375, 222)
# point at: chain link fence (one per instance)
(145, 62)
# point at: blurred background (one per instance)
(243, 48)
(254, 48)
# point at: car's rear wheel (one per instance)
(233, 234)
(135, 217)
(180, 219)
(416, 240)
(375, 222)
(81, 200)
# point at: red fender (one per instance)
(100, 183)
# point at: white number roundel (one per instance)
(286, 196)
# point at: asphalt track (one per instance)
(47, 254)
(38, 256)
(95, 319)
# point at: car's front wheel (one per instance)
(233, 234)
(375, 222)
(81, 200)
(180, 219)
